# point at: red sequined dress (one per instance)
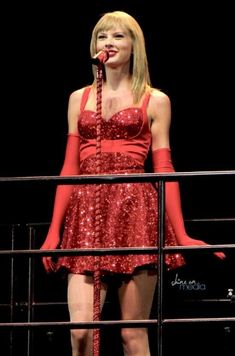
(129, 210)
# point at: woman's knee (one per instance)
(132, 335)
(80, 335)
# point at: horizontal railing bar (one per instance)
(5, 305)
(80, 325)
(210, 220)
(216, 247)
(82, 252)
(116, 178)
(198, 320)
(228, 300)
(56, 304)
(118, 323)
(114, 251)
(36, 224)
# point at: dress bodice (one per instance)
(126, 131)
(124, 124)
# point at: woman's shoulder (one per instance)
(158, 99)
(74, 107)
(77, 94)
(158, 95)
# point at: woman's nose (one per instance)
(108, 45)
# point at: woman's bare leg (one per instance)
(136, 297)
(80, 304)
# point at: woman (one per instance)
(135, 119)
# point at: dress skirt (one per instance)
(128, 218)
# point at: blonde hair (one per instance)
(139, 66)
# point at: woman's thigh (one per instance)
(136, 295)
(80, 297)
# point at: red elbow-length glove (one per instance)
(70, 167)
(162, 162)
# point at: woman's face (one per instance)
(117, 42)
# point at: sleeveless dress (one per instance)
(129, 213)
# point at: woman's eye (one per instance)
(100, 37)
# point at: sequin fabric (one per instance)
(122, 125)
(128, 211)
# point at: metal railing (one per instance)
(31, 253)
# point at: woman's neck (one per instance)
(117, 78)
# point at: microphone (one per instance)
(100, 58)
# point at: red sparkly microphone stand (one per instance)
(99, 59)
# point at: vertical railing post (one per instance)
(12, 289)
(160, 264)
(30, 297)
